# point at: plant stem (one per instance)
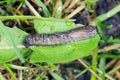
(10, 71)
(31, 17)
(94, 63)
(19, 17)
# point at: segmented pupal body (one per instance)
(70, 36)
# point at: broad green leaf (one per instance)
(53, 25)
(17, 34)
(7, 53)
(65, 52)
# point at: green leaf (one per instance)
(65, 52)
(7, 55)
(99, 27)
(52, 25)
(103, 26)
(109, 14)
(8, 36)
(17, 34)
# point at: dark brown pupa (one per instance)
(61, 38)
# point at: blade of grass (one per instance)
(113, 70)
(81, 72)
(104, 17)
(99, 71)
(57, 12)
(17, 67)
(45, 10)
(10, 71)
(102, 67)
(94, 63)
(9, 36)
(99, 27)
(1, 77)
(55, 76)
(109, 14)
(106, 75)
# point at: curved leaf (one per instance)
(64, 53)
(53, 25)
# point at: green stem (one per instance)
(31, 17)
(102, 67)
(19, 17)
(94, 63)
(10, 71)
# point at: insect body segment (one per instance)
(61, 38)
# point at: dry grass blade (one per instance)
(32, 9)
(108, 48)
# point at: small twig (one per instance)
(77, 10)
(72, 4)
(108, 48)
(20, 77)
(66, 4)
(18, 8)
(32, 9)
(89, 69)
(110, 63)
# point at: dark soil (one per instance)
(104, 6)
